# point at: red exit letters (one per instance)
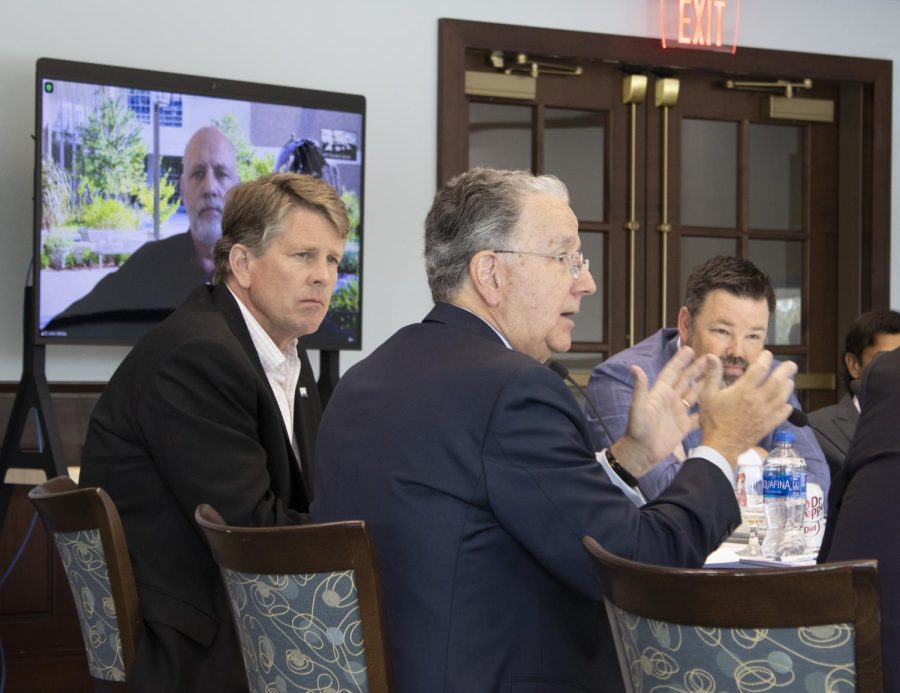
(705, 24)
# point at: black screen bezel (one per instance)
(135, 78)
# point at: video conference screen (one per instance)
(121, 237)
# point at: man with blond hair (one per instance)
(218, 405)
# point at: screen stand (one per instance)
(329, 374)
(17, 465)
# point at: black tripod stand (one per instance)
(32, 396)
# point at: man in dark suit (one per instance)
(218, 405)
(862, 507)
(834, 426)
(471, 462)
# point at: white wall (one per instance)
(385, 50)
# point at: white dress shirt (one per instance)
(282, 369)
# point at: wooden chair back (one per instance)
(88, 534)
(312, 593)
(782, 627)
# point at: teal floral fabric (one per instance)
(670, 658)
(85, 564)
(299, 632)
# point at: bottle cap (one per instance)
(784, 437)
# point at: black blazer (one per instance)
(834, 427)
(189, 418)
(475, 470)
(862, 505)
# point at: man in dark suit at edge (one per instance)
(218, 405)
(472, 464)
(834, 425)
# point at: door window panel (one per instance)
(575, 152)
(741, 189)
(589, 323)
(783, 262)
(709, 173)
(776, 176)
(500, 136)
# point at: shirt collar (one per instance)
(496, 331)
(270, 356)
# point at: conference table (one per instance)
(727, 557)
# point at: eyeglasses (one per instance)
(575, 261)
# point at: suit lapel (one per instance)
(228, 307)
(670, 348)
(307, 413)
(846, 418)
(226, 303)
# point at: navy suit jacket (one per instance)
(189, 418)
(610, 389)
(862, 507)
(474, 469)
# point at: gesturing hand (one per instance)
(659, 418)
(734, 418)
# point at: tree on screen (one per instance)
(168, 197)
(351, 200)
(249, 166)
(111, 155)
(56, 194)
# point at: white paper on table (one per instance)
(726, 553)
(785, 562)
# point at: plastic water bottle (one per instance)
(784, 498)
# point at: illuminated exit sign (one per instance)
(710, 25)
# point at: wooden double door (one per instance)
(668, 165)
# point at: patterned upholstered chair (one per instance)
(88, 534)
(306, 601)
(785, 629)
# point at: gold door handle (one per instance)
(634, 90)
(666, 97)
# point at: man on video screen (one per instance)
(160, 274)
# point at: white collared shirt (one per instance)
(282, 369)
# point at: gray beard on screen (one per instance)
(206, 232)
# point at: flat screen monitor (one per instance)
(117, 245)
